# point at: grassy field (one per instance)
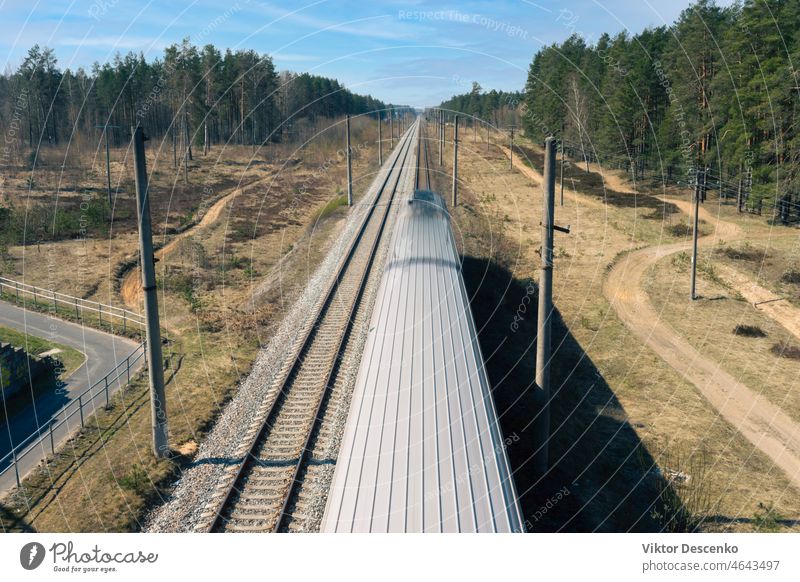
(627, 428)
(711, 327)
(223, 287)
(70, 358)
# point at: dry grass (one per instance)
(272, 230)
(632, 394)
(707, 325)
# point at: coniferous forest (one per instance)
(197, 93)
(716, 90)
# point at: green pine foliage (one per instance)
(197, 93)
(718, 88)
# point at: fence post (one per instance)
(55, 303)
(106, 381)
(100, 313)
(128, 366)
(34, 296)
(17, 286)
(52, 442)
(124, 322)
(77, 315)
(80, 407)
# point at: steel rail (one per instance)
(250, 456)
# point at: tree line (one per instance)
(499, 108)
(200, 95)
(717, 89)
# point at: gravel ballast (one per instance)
(187, 506)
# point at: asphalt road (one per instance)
(24, 413)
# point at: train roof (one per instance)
(422, 450)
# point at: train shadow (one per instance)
(601, 477)
(9, 522)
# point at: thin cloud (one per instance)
(120, 42)
(365, 27)
(294, 57)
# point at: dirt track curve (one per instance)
(131, 287)
(761, 422)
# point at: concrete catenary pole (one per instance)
(380, 141)
(696, 218)
(455, 161)
(544, 321)
(561, 180)
(158, 403)
(108, 168)
(511, 150)
(441, 136)
(349, 164)
(105, 127)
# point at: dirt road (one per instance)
(131, 287)
(775, 307)
(761, 422)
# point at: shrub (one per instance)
(137, 480)
(766, 518)
(791, 277)
(331, 207)
(749, 331)
(684, 499)
(784, 349)
(680, 230)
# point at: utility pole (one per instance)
(441, 135)
(105, 129)
(562, 168)
(108, 167)
(158, 402)
(487, 136)
(349, 165)
(511, 150)
(187, 148)
(561, 180)
(380, 141)
(739, 191)
(543, 349)
(391, 129)
(699, 186)
(455, 161)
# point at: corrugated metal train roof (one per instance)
(422, 450)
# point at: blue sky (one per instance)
(411, 52)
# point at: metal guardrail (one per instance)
(35, 442)
(68, 302)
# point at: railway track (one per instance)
(262, 495)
